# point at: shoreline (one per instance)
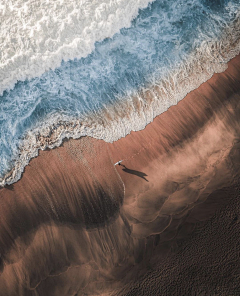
(133, 113)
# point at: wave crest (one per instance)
(37, 35)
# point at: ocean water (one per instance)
(75, 68)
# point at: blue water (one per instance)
(160, 38)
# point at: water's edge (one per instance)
(135, 112)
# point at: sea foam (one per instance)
(36, 36)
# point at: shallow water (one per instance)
(160, 40)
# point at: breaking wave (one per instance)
(37, 35)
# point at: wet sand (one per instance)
(75, 224)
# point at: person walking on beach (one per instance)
(119, 162)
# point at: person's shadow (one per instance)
(133, 172)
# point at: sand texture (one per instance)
(75, 224)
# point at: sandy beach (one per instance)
(75, 224)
